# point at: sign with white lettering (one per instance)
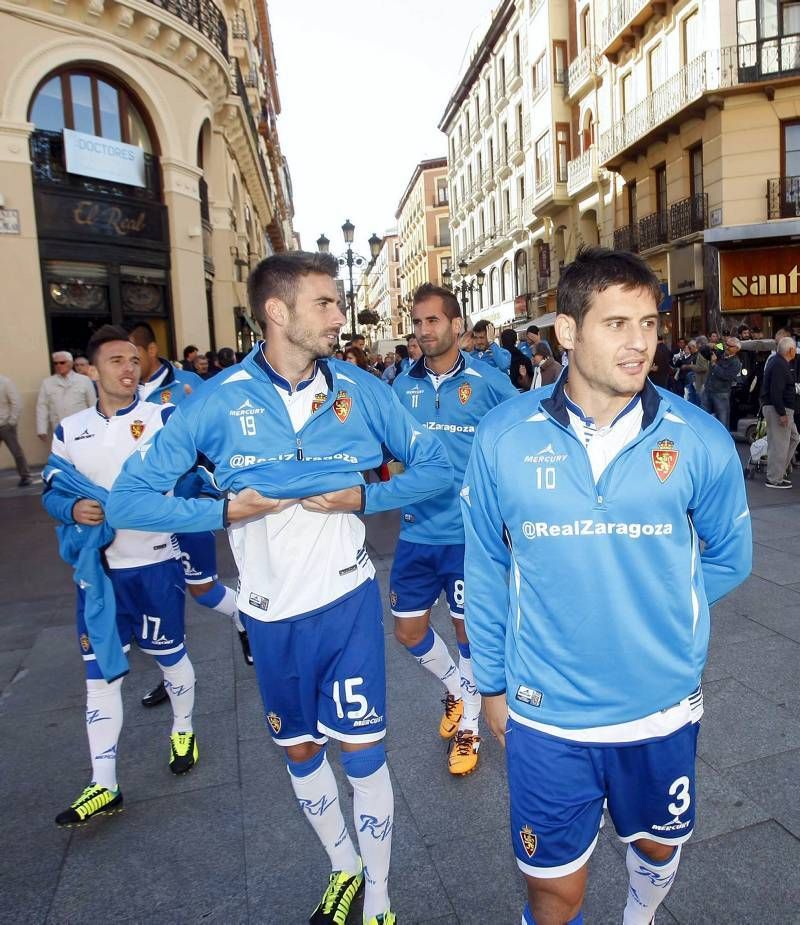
(9, 221)
(754, 280)
(103, 159)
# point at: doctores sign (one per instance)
(103, 158)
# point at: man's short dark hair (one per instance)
(142, 334)
(104, 335)
(594, 270)
(542, 350)
(410, 337)
(480, 326)
(508, 338)
(277, 277)
(187, 350)
(449, 302)
(226, 357)
(532, 329)
(401, 351)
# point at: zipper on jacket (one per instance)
(437, 399)
(299, 449)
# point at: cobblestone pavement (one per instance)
(226, 844)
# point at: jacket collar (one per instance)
(256, 360)
(420, 371)
(557, 405)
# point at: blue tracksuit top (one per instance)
(494, 355)
(588, 604)
(452, 414)
(358, 424)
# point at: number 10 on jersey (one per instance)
(546, 477)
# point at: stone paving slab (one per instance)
(772, 783)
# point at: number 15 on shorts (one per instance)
(357, 702)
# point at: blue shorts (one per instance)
(557, 789)
(150, 603)
(325, 674)
(198, 557)
(419, 575)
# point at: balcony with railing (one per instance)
(783, 197)
(203, 15)
(580, 72)
(625, 21)
(515, 80)
(239, 27)
(486, 113)
(516, 153)
(582, 171)
(653, 230)
(688, 216)
(503, 166)
(488, 179)
(528, 212)
(626, 238)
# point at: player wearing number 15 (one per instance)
(288, 433)
(602, 517)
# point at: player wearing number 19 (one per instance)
(602, 517)
(143, 595)
(289, 432)
(447, 392)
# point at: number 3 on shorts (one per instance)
(359, 702)
(679, 788)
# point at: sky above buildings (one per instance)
(363, 85)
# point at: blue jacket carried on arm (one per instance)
(81, 546)
(588, 603)
(495, 356)
(355, 427)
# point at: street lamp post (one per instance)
(461, 284)
(350, 259)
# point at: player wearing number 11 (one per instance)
(602, 517)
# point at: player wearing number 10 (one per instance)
(602, 517)
(288, 433)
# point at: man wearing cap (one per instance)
(721, 376)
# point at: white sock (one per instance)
(103, 726)
(432, 654)
(179, 682)
(648, 885)
(318, 797)
(469, 691)
(228, 606)
(373, 812)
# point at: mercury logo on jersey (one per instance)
(371, 719)
(547, 456)
(246, 407)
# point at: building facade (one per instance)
(668, 129)
(382, 289)
(141, 177)
(423, 233)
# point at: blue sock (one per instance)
(304, 768)
(528, 919)
(365, 761)
(463, 648)
(213, 596)
(425, 646)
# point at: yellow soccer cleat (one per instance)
(341, 891)
(453, 711)
(385, 918)
(463, 757)
(94, 801)
(183, 752)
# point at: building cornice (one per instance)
(433, 163)
(501, 19)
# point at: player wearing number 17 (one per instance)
(288, 433)
(602, 517)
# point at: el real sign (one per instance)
(754, 280)
(103, 159)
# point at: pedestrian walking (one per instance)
(779, 399)
(722, 374)
(10, 409)
(62, 394)
(599, 483)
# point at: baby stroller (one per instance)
(757, 460)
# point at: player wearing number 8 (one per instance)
(447, 392)
(581, 499)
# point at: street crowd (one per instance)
(596, 459)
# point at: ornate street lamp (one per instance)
(461, 284)
(350, 259)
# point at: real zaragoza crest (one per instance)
(665, 458)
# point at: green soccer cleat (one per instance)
(183, 752)
(94, 801)
(334, 907)
(385, 918)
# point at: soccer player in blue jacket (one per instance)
(485, 349)
(162, 383)
(603, 515)
(447, 392)
(289, 432)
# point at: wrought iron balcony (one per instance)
(653, 230)
(239, 27)
(203, 15)
(626, 238)
(515, 151)
(622, 16)
(486, 112)
(579, 71)
(582, 171)
(48, 165)
(528, 212)
(783, 197)
(688, 215)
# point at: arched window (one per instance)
(493, 292)
(520, 273)
(506, 281)
(587, 135)
(91, 103)
(482, 222)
